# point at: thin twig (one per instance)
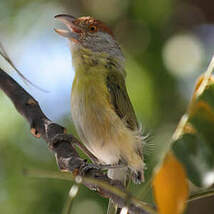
(70, 199)
(201, 194)
(4, 54)
(90, 181)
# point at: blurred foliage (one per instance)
(150, 34)
(194, 146)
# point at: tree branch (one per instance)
(63, 146)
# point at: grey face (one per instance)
(86, 32)
(101, 42)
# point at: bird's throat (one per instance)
(86, 60)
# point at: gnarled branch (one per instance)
(63, 146)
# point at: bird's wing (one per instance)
(120, 100)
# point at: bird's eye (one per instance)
(93, 28)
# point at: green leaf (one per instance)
(195, 156)
(193, 141)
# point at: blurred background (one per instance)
(167, 44)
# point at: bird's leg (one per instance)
(86, 151)
(77, 162)
(111, 166)
(74, 141)
(95, 162)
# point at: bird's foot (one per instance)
(137, 177)
(90, 166)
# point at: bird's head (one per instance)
(89, 33)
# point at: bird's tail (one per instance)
(120, 174)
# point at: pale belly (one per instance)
(97, 126)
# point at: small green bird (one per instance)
(101, 109)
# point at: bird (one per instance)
(101, 109)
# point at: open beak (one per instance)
(73, 30)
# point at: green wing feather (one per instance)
(120, 99)
(122, 105)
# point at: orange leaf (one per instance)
(170, 186)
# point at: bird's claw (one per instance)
(86, 168)
(137, 177)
